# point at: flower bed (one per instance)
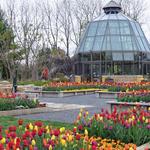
(16, 103)
(115, 87)
(36, 136)
(130, 126)
(134, 96)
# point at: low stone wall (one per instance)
(126, 105)
(124, 78)
(25, 111)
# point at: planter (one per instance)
(107, 95)
(61, 93)
(25, 111)
(126, 105)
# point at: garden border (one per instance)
(125, 105)
(18, 112)
(107, 95)
(62, 93)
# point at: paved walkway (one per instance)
(69, 107)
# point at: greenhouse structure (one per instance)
(112, 44)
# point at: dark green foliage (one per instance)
(12, 103)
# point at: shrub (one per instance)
(13, 103)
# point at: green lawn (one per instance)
(8, 121)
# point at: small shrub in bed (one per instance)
(13, 103)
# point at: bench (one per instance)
(107, 95)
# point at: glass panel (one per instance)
(124, 27)
(134, 28)
(129, 56)
(128, 68)
(95, 56)
(141, 44)
(92, 29)
(117, 67)
(88, 44)
(98, 43)
(117, 56)
(103, 56)
(114, 27)
(145, 44)
(96, 70)
(116, 43)
(148, 56)
(126, 42)
(134, 43)
(139, 30)
(106, 43)
(101, 28)
(82, 45)
(86, 57)
(108, 56)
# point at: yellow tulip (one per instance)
(50, 147)
(146, 121)
(63, 142)
(87, 112)
(80, 114)
(86, 132)
(70, 138)
(47, 127)
(3, 140)
(30, 126)
(100, 117)
(33, 142)
(48, 131)
(131, 148)
(133, 118)
(62, 129)
(53, 137)
(36, 128)
(143, 118)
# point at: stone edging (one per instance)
(142, 147)
(25, 111)
(60, 93)
(125, 105)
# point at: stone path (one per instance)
(68, 107)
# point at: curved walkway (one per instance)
(69, 107)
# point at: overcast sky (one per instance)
(146, 18)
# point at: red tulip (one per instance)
(1, 129)
(78, 136)
(1, 147)
(25, 143)
(39, 123)
(20, 122)
(56, 132)
(12, 128)
(40, 132)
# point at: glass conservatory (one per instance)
(112, 44)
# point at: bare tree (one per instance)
(51, 24)
(83, 12)
(133, 8)
(65, 21)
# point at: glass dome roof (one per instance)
(113, 31)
